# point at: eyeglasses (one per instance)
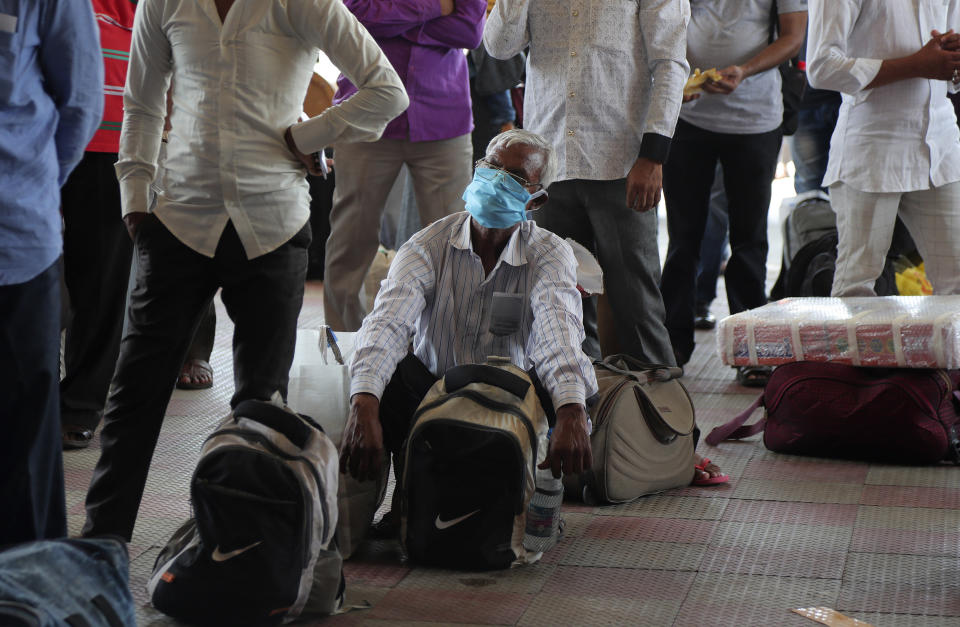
(530, 187)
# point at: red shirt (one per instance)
(115, 19)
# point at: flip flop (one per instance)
(189, 370)
(708, 480)
(753, 376)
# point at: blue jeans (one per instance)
(810, 145)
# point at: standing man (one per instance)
(96, 246)
(232, 211)
(896, 148)
(51, 100)
(604, 83)
(424, 40)
(736, 123)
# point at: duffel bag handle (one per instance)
(735, 430)
(640, 370)
(291, 425)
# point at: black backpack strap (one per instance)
(280, 420)
(101, 603)
(460, 376)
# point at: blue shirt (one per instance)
(437, 296)
(51, 101)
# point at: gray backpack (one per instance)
(642, 435)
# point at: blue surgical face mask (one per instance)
(496, 200)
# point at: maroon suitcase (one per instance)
(905, 415)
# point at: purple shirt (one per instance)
(425, 49)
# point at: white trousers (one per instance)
(865, 226)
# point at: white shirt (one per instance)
(731, 32)
(603, 76)
(237, 88)
(899, 137)
(436, 295)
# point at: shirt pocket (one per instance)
(271, 60)
(506, 313)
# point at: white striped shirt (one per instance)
(436, 296)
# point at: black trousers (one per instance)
(409, 384)
(96, 258)
(174, 283)
(749, 164)
(32, 505)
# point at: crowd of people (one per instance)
(606, 132)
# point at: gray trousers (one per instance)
(595, 214)
(440, 170)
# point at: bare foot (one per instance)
(195, 374)
(706, 472)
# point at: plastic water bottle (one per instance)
(543, 514)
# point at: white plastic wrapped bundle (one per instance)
(887, 331)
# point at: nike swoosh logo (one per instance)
(217, 556)
(446, 524)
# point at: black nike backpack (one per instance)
(260, 549)
(470, 468)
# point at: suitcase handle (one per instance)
(734, 430)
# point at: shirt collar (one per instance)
(514, 253)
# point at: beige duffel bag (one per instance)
(642, 435)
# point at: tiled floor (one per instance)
(879, 543)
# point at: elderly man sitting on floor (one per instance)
(474, 284)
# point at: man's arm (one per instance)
(563, 368)
(144, 109)
(382, 342)
(391, 18)
(461, 29)
(507, 31)
(380, 97)
(72, 67)
(663, 25)
(792, 29)
(832, 65)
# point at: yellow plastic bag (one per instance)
(912, 281)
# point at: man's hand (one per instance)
(644, 184)
(732, 77)
(570, 444)
(447, 7)
(307, 160)
(361, 448)
(935, 62)
(132, 222)
(949, 41)
(690, 97)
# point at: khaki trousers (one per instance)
(440, 171)
(865, 223)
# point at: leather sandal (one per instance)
(189, 372)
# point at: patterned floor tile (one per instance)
(452, 606)
(903, 620)
(662, 506)
(571, 581)
(549, 610)
(802, 491)
(374, 574)
(628, 554)
(943, 476)
(920, 570)
(907, 518)
(906, 542)
(902, 597)
(913, 496)
(798, 513)
(737, 600)
(653, 529)
(820, 471)
(525, 579)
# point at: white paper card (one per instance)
(8, 23)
